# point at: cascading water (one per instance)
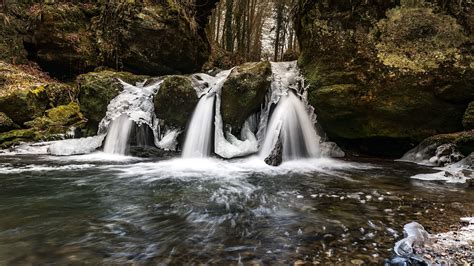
(131, 113)
(118, 135)
(198, 141)
(291, 123)
(132, 107)
(199, 137)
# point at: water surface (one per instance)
(87, 209)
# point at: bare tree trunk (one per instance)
(218, 26)
(280, 4)
(228, 32)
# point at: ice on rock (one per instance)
(76, 146)
(169, 142)
(415, 236)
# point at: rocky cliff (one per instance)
(386, 74)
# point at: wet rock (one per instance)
(276, 156)
(446, 154)
(330, 149)
(244, 92)
(428, 148)
(14, 137)
(150, 152)
(96, 90)
(175, 101)
(378, 70)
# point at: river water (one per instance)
(101, 209)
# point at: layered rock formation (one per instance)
(386, 74)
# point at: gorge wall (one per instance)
(386, 74)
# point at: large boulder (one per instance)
(175, 101)
(384, 75)
(146, 37)
(150, 38)
(61, 39)
(244, 92)
(96, 90)
(35, 107)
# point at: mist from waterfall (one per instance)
(291, 123)
(198, 143)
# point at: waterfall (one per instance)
(199, 136)
(291, 122)
(118, 135)
(133, 107)
(198, 142)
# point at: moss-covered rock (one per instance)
(14, 137)
(468, 119)
(6, 124)
(58, 120)
(244, 92)
(175, 101)
(97, 89)
(386, 73)
(52, 125)
(26, 93)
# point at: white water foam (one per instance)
(291, 122)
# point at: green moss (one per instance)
(175, 101)
(97, 89)
(26, 93)
(244, 92)
(417, 39)
(14, 137)
(380, 73)
(468, 119)
(58, 120)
